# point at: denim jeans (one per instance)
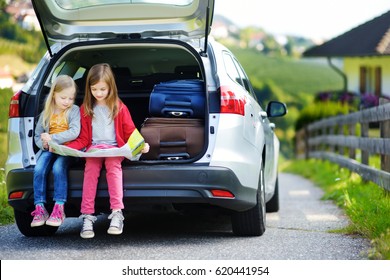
(59, 166)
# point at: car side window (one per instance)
(231, 69)
(237, 74)
(80, 73)
(57, 71)
(244, 78)
(69, 68)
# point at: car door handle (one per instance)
(272, 126)
(263, 115)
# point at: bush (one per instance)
(15, 40)
(321, 110)
(5, 97)
(339, 96)
(6, 211)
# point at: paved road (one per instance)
(299, 231)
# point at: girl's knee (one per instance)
(60, 167)
(41, 170)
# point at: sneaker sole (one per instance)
(87, 236)
(53, 224)
(38, 224)
(114, 231)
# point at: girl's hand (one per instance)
(45, 137)
(145, 149)
(45, 146)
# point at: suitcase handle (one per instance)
(178, 114)
(175, 156)
(183, 113)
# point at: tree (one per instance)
(3, 5)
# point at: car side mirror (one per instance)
(276, 109)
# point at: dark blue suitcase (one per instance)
(178, 98)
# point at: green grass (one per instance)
(15, 63)
(366, 204)
(3, 148)
(5, 98)
(6, 211)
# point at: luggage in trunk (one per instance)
(173, 138)
(178, 98)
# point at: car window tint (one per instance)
(245, 79)
(80, 73)
(231, 69)
(76, 4)
(57, 71)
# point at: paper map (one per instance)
(130, 151)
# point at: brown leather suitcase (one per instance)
(173, 138)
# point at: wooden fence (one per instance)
(341, 138)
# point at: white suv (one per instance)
(147, 42)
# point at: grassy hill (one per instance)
(16, 64)
(294, 76)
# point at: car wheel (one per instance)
(252, 222)
(273, 204)
(23, 221)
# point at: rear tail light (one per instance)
(222, 193)
(16, 195)
(14, 105)
(231, 102)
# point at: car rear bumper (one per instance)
(147, 184)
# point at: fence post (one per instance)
(364, 133)
(306, 139)
(301, 143)
(331, 133)
(384, 127)
(341, 132)
(352, 131)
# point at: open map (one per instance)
(131, 151)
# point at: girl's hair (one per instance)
(101, 73)
(60, 83)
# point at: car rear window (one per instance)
(77, 4)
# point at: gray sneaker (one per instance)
(116, 225)
(87, 230)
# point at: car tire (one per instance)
(23, 221)
(252, 221)
(273, 204)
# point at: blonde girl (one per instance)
(59, 122)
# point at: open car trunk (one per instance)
(138, 67)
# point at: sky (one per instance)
(315, 19)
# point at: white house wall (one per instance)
(352, 67)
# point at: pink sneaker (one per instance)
(40, 216)
(57, 217)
